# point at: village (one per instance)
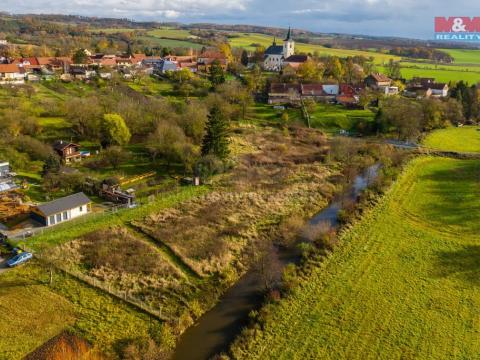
(163, 186)
(27, 218)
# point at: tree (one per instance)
(310, 71)
(114, 130)
(216, 141)
(216, 73)
(114, 155)
(244, 59)
(80, 57)
(393, 69)
(335, 68)
(166, 141)
(52, 165)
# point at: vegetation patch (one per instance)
(403, 277)
(461, 139)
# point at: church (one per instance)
(276, 55)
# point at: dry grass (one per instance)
(281, 173)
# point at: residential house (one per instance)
(439, 89)
(164, 66)
(295, 61)
(377, 81)
(283, 93)
(68, 151)
(207, 58)
(3, 42)
(61, 63)
(63, 209)
(11, 74)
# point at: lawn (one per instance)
(403, 284)
(332, 118)
(246, 41)
(172, 43)
(466, 139)
(30, 314)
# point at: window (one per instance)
(80, 208)
(65, 215)
(59, 218)
(52, 220)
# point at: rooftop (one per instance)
(63, 204)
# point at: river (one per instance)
(217, 328)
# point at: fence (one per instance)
(121, 295)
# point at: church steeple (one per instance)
(289, 34)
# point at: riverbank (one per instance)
(390, 287)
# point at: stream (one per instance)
(217, 328)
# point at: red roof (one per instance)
(283, 88)
(380, 77)
(9, 68)
(312, 89)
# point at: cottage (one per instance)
(439, 89)
(284, 93)
(295, 61)
(378, 81)
(68, 151)
(11, 74)
(63, 209)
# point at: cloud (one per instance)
(373, 17)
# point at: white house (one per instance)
(439, 89)
(63, 209)
(11, 74)
(275, 55)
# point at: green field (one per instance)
(172, 43)
(30, 314)
(246, 41)
(113, 30)
(403, 284)
(332, 118)
(465, 139)
(171, 33)
(472, 77)
(464, 56)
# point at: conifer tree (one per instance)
(216, 140)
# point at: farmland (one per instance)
(401, 279)
(247, 41)
(466, 139)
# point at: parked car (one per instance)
(19, 259)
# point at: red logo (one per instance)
(458, 24)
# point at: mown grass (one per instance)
(332, 118)
(246, 41)
(171, 43)
(403, 284)
(30, 314)
(440, 75)
(462, 139)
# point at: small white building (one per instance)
(11, 74)
(63, 209)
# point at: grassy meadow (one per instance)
(171, 33)
(248, 39)
(464, 56)
(466, 139)
(403, 284)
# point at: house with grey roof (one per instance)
(275, 55)
(62, 209)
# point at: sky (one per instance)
(404, 18)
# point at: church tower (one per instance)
(288, 45)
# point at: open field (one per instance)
(171, 33)
(402, 284)
(113, 30)
(171, 43)
(466, 139)
(464, 56)
(472, 77)
(246, 41)
(30, 314)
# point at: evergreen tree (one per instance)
(52, 165)
(244, 59)
(216, 141)
(216, 75)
